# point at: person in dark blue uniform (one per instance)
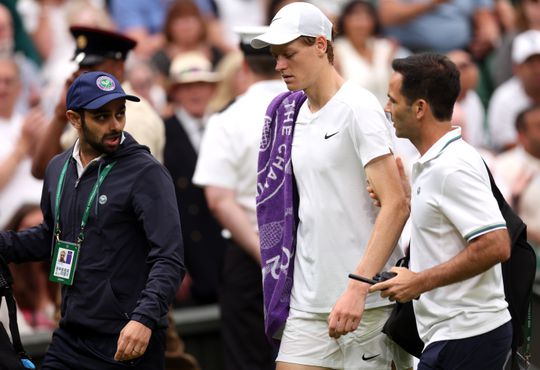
(112, 205)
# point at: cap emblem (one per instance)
(105, 83)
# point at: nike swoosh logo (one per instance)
(368, 357)
(326, 136)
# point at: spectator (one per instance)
(192, 84)
(517, 93)
(185, 30)
(142, 78)
(468, 101)
(441, 25)
(18, 135)
(519, 171)
(361, 55)
(227, 169)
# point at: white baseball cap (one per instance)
(291, 22)
(525, 45)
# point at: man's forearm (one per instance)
(480, 255)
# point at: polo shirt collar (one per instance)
(438, 148)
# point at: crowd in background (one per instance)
(494, 43)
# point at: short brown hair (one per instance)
(310, 41)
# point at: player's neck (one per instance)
(328, 84)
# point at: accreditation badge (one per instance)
(64, 261)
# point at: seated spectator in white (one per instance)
(468, 101)
(517, 93)
(18, 135)
(518, 170)
(361, 54)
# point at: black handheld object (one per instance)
(382, 276)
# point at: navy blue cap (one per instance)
(92, 90)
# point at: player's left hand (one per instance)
(133, 341)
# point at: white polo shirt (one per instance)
(230, 146)
(452, 203)
(330, 149)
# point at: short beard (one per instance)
(95, 145)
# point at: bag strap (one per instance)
(519, 227)
(13, 327)
(7, 292)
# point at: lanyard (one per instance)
(92, 196)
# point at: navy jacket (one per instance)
(131, 260)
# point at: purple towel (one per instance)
(277, 208)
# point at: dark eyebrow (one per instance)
(104, 111)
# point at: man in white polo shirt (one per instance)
(458, 236)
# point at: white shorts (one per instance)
(306, 341)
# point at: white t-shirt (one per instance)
(330, 149)
(452, 204)
(230, 146)
(23, 187)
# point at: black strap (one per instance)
(6, 280)
(13, 327)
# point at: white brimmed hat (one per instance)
(192, 67)
(525, 45)
(291, 22)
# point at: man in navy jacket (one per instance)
(111, 206)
